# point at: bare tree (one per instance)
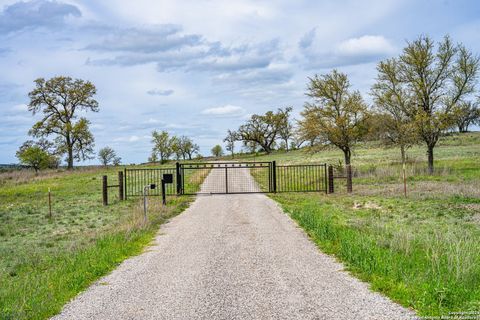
(286, 127)
(230, 141)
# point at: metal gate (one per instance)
(230, 178)
(226, 177)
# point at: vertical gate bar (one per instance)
(331, 188)
(318, 179)
(179, 183)
(294, 180)
(274, 181)
(269, 177)
(120, 185)
(304, 185)
(279, 179)
(289, 182)
(182, 179)
(325, 177)
(125, 183)
(313, 178)
(226, 179)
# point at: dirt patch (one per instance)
(366, 205)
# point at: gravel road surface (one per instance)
(231, 257)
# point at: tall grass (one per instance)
(46, 261)
(428, 262)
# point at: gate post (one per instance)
(274, 176)
(120, 185)
(125, 189)
(330, 179)
(179, 178)
(104, 190)
(349, 179)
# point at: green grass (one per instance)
(422, 251)
(47, 261)
(423, 254)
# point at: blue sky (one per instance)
(198, 68)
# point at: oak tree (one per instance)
(263, 129)
(60, 99)
(435, 79)
(161, 145)
(217, 151)
(107, 155)
(465, 114)
(392, 124)
(337, 115)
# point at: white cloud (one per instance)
(227, 110)
(365, 45)
(132, 138)
(352, 51)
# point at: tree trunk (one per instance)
(347, 155)
(430, 159)
(286, 145)
(70, 156)
(69, 152)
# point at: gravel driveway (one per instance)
(231, 257)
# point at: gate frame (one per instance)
(224, 165)
(272, 186)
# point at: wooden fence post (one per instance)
(349, 179)
(120, 185)
(331, 188)
(105, 190)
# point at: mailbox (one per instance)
(167, 178)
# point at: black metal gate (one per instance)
(226, 177)
(230, 178)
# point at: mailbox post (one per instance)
(167, 178)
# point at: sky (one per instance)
(201, 67)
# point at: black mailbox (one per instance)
(167, 178)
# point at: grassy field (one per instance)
(422, 251)
(46, 261)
